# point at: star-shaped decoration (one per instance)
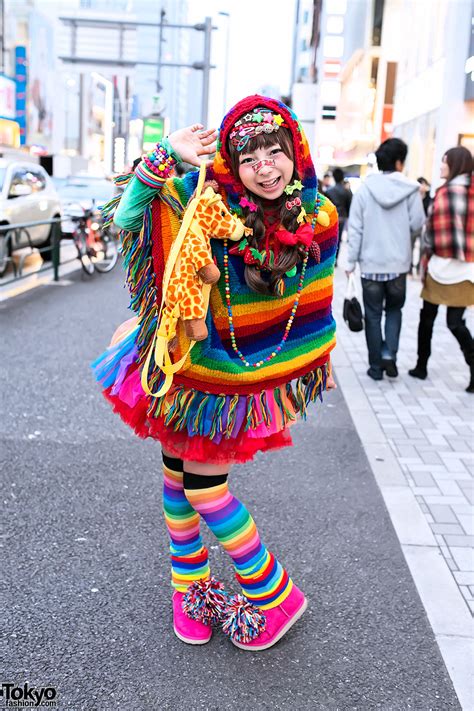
(268, 118)
(278, 119)
(296, 185)
(258, 117)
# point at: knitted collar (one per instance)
(303, 162)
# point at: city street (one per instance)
(84, 548)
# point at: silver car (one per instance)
(27, 195)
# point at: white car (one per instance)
(27, 195)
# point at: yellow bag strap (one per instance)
(166, 328)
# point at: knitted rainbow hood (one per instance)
(222, 171)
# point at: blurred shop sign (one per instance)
(9, 133)
(154, 128)
(7, 97)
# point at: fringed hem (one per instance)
(197, 425)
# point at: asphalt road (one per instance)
(85, 573)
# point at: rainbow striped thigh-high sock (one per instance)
(264, 582)
(189, 559)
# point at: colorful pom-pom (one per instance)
(206, 601)
(243, 622)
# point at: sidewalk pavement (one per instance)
(418, 437)
(85, 550)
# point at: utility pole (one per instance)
(2, 37)
(160, 51)
(206, 70)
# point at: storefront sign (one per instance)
(7, 97)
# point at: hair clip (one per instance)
(247, 203)
(293, 203)
(301, 216)
(297, 185)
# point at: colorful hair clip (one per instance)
(293, 203)
(296, 185)
(301, 216)
(247, 203)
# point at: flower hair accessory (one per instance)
(297, 185)
(247, 203)
(258, 121)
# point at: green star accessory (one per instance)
(297, 185)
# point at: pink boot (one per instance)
(188, 630)
(194, 611)
(252, 628)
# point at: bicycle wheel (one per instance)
(106, 253)
(80, 241)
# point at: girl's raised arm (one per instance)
(192, 145)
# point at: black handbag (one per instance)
(352, 310)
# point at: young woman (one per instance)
(448, 260)
(265, 359)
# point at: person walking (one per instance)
(341, 197)
(448, 260)
(326, 183)
(385, 212)
(266, 356)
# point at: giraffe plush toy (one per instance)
(195, 265)
(189, 273)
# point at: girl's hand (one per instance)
(330, 383)
(193, 142)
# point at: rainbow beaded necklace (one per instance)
(289, 323)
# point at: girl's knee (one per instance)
(454, 318)
(204, 469)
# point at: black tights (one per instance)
(456, 325)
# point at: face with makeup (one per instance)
(266, 171)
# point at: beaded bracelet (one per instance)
(155, 166)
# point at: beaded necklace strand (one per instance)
(289, 323)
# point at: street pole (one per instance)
(160, 43)
(206, 70)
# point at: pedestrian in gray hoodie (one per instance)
(385, 213)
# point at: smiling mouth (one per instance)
(270, 184)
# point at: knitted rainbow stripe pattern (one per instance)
(215, 396)
(189, 559)
(264, 582)
(257, 318)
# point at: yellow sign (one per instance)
(9, 133)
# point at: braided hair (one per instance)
(288, 256)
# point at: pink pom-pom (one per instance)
(206, 601)
(243, 621)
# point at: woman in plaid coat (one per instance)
(448, 259)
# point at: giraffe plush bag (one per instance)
(203, 403)
(188, 276)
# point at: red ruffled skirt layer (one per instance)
(200, 426)
(196, 448)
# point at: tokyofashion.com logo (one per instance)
(26, 697)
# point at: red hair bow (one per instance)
(303, 235)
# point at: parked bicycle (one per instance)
(97, 249)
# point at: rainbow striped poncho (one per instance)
(215, 396)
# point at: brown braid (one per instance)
(288, 256)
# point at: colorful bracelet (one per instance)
(156, 166)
